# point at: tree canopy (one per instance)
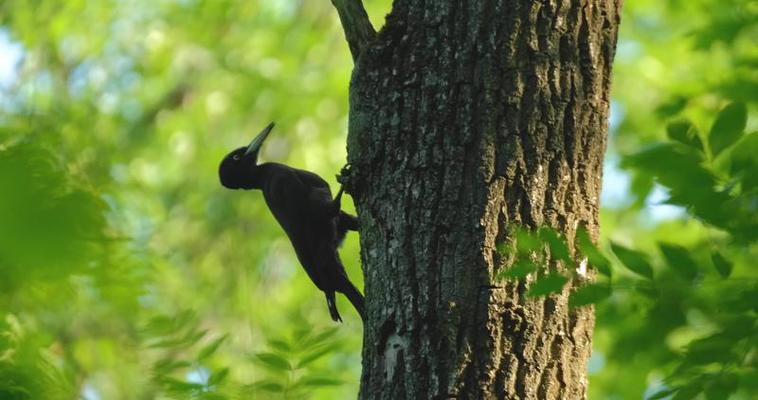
(126, 271)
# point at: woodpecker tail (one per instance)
(332, 304)
(356, 298)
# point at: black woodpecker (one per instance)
(302, 203)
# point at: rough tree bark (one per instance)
(467, 118)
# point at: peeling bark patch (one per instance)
(581, 270)
(393, 350)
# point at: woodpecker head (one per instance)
(237, 168)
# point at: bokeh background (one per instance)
(127, 272)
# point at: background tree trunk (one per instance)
(467, 118)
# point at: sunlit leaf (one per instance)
(212, 396)
(684, 132)
(273, 361)
(194, 337)
(722, 387)
(591, 293)
(715, 348)
(674, 166)
(527, 241)
(662, 394)
(558, 248)
(314, 355)
(551, 283)
(679, 260)
(687, 392)
(177, 386)
(739, 326)
(671, 107)
(593, 254)
(265, 385)
(211, 348)
(319, 381)
(641, 186)
(218, 376)
(728, 127)
(744, 163)
(634, 260)
(519, 269)
(160, 325)
(723, 266)
(504, 248)
(280, 345)
(319, 339)
(166, 366)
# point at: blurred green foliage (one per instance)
(683, 323)
(127, 272)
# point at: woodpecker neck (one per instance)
(254, 177)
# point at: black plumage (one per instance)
(302, 203)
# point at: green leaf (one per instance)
(166, 366)
(662, 394)
(558, 248)
(159, 326)
(641, 186)
(684, 132)
(520, 269)
(679, 260)
(687, 392)
(190, 338)
(593, 254)
(723, 266)
(265, 385)
(635, 261)
(673, 165)
(212, 396)
(272, 361)
(728, 127)
(743, 162)
(592, 293)
(679, 168)
(723, 387)
(177, 386)
(671, 107)
(527, 242)
(740, 326)
(166, 343)
(280, 345)
(744, 152)
(504, 248)
(716, 348)
(547, 284)
(211, 348)
(319, 339)
(218, 376)
(319, 381)
(314, 355)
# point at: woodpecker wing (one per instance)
(320, 201)
(315, 234)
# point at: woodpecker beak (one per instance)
(255, 145)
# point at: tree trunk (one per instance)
(468, 118)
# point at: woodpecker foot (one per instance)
(338, 199)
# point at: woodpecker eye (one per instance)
(236, 157)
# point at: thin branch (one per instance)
(358, 29)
